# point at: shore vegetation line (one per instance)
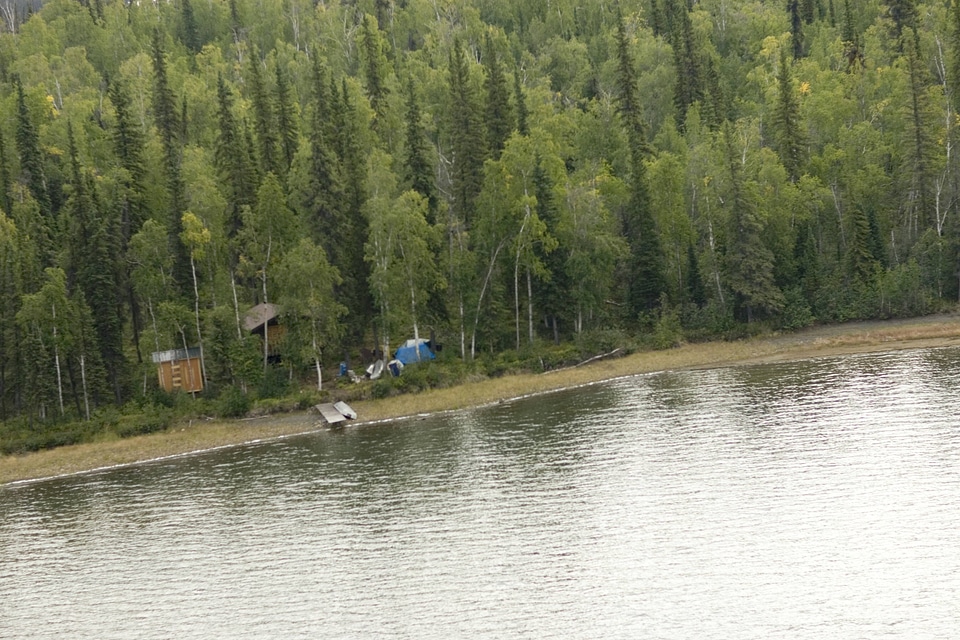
(196, 432)
(207, 210)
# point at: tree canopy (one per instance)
(496, 173)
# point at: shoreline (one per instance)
(200, 436)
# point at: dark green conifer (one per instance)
(861, 263)
(6, 202)
(521, 102)
(31, 159)
(189, 34)
(93, 268)
(645, 279)
(324, 197)
(787, 121)
(466, 137)
(233, 161)
(418, 168)
(169, 128)
(851, 40)
(686, 54)
(748, 260)
(374, 70)
(354, 292)
(498, 116)
(264, 122)
(695, 289)
(552, 294)
(128, 144)
(796, 28)
(286, 118)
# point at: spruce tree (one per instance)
(686, 54)
(374, 70)
(498, 116)
(324, 197)
(796, 28)
(128, 144)
(861, 263)
(233, 161)
(286, 118)
(715, 107)
(188, 28)
(10, 291)
(31, 159)
(905, 18)
(521, 102)
(645, 279)
(748, 260)
(6, 201)
(419, 170)
(851, 40)
(553, 289)
(696, 291)
(918, 159)
(466, 137)
(787, 121)
(93, 268)
(353, 231)
(264, 122)
(169, 128)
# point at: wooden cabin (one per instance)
(263, 320)
(179, 369)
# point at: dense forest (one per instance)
(503, 176)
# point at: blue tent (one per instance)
(407, 352)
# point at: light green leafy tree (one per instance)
(306, 282)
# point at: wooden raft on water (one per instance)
(336, 413)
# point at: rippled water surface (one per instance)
(807, 500)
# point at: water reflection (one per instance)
(809, 500)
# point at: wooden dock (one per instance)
(335, 414)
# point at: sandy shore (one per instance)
(927, 332)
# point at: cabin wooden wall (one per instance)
(182, 375)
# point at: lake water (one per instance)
(818, 499)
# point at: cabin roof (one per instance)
(260, 315)
(175, 354)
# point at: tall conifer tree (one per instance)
(749, 262)
(94, 270)
(645, 277)
(419, 170)
(6, 201)
(31, 159)
(466, 137)
(787, 121)
(233, 160)
(522, 114)
(499, 119)
(324, 197)
(374, 70)
(286, 118)
(169, 128)
(264, 121)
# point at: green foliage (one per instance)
(233, 403)
(668, 332)
(762, 164)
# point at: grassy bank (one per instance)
(198, 435)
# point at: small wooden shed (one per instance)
(179, 369)
(263, 320)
